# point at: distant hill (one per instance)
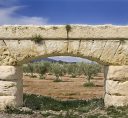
(64, 59)
(70, 59)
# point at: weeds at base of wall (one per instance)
(13, 110)
(49, 107)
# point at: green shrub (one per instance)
(37, 38)
(89, 84)
(57, 80)
(13, 110)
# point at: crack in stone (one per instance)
(5, 43)
(92, 42)
(11, 56)
(45, 47)
(18, 41)
(103, 49)
(67, 45)
(119, 80)
(79, 47)
(115, 94)
(7, 47)
(117, 49)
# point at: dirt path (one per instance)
(70, 88)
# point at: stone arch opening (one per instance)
(66, 80)
(105, 44)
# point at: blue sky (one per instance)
(64, 12)
(40, 12)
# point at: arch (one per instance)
(106, 52)
(104, 44)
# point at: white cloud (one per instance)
(9, 16)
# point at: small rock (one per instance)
(26, 109)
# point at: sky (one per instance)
(40, 12)
(53, 12)
(70, 59)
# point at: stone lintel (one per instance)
(61, 32)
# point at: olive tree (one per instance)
(73, 70)
(58, 70)
(90, 70)
(31, 69)
(42, 71)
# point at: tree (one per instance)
(90, 70)
(57, 70)
(73, 70)
(42, 70)
(31, 69)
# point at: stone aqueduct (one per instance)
(105, 44)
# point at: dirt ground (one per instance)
(69, 88)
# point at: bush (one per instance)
(37, 38)
(57, 80)
(89, 84)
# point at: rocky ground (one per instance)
(111, 112)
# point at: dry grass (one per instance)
(69, 88)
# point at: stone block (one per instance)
(10, 73)
(116, 88)
(117, 73)
(114, 100)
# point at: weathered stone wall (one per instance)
(104, 44)
(116, 89)
(11, 86)
(64, 31)
(107, 52)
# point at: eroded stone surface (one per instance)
(56, 47)
(116, 86)
(11, 86)
(30, 31)
(117, 73)
(105, 44)
(73, 47)
(8, 73)
(114, 100)
(98, 31)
